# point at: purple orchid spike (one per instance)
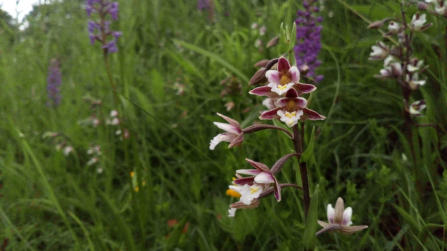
(100, 30)
(54, 81)
(308, 37)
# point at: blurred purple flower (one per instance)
(203, 4)
(54, 81)
(101, 30)
(308, 37)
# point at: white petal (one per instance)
(249, 193)
(219, 138)
(330, 213)
(347, 217)
(295, 73)
(232, 212)
(268, 103)
(290, 119)
(227, 127)
(235, 188)
(273, 76)
(264, 178)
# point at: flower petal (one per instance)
(254, 203)
(330, 228)
(230, 120)
(300, 102)
(271, 114)
(273, 77)
(330, 213)
(304, 88)
(258, 165)
(292, 93)
(347, 217)
(237, 141)
(249, 171)
(312, 115)
(263, 91)
(283, 65)
(229, 128)
(219, 138)
(264, 178)
(244, 181)
(351, 229)
(232, 212)
(277, 188)
(294, 74)
(339, 209)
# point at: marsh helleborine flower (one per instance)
(339, 220)
(233, 133)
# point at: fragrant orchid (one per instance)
(339, 220)
(233, 134)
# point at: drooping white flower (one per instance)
(113, 113)
(440, 8)
(417, 107)
(233, 133)
(414, 81)
(415, 66)
(393, 27)
(380, 51)
(417, 22)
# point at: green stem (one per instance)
(303, 170)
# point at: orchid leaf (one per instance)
(311, 222)
(310, 148)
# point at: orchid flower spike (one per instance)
(233, 133)
(339, 220)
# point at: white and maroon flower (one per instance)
(417, 107)
(414, 81)
(283, 79)
(380, 51)
(393, 27)
(415, 65)
(418, 22)
(339, 220)
(233, 133)
(290, 109)
(441, 8)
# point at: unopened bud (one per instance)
(375, 25)
(258, 77)
(262, 63)
(304, 70)
(422, 6)
(274, 41)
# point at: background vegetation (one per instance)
(50, 201)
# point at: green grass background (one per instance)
(54, 202)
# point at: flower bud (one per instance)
(375, 24)
(262, 63)
(274, 41)
(422, 6)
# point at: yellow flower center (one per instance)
(282, 87)
(132, 174)
(290, 115)
(233, 193)
(254, 189)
